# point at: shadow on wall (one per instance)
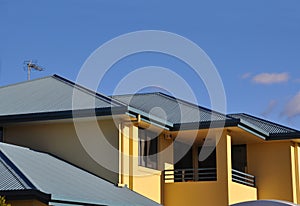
(264, 203)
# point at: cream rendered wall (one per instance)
(60, 139)
(271, 163)
(143, 180)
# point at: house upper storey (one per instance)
(52, 98)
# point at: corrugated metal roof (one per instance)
(9, 179)
(66, 182)
(48, 94)
(175, 110)
(268, 127)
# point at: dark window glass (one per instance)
(147, 149)
(239, 157)
(210, 161)
(1, 134)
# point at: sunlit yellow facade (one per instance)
(274, 164)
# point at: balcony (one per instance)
(185, 175)
(205, 174)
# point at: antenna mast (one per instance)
(32, 65)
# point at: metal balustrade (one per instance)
(185, 175)
(205, 174)
(243, 178)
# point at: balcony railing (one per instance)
(205, 174)
(185, 175)
(243, 178)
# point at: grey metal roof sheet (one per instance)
(270, 128)
(48, 94)
(66, 182)
(175, 110)
(9, 179)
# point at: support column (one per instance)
(224, 173)
(297, 167)
(295, 171)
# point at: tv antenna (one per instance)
(30, 64)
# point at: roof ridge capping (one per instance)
(106, 98)
(193, 104)
(176, 99)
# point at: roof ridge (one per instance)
(96, 94)
(173, 98)
(27, 81)
(190, 103)
(267, 121)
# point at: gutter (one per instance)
(67, 114)
(205, 125)
(75, 203)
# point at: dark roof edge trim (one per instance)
(67, 114)
(26, 195)
(75, 203)
(16, 170)
(206, 125)
(285, 136)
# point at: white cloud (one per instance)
(246, 75)
(271, 78)
(292, 108)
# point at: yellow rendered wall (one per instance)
(296, 172)
(271, 162)
(25, 203)
(222, 192)
(142, 180)
(195, 194)
(241, 193)
(60, 139)
(211, 193)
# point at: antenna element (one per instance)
(32, 65)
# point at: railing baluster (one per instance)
(243, 178)
(205, 174)
(183, 175)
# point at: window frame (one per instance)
(147, 149)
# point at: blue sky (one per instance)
(254, 45)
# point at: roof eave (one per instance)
(28, 194)
(284, 136)
(66, 114)
(205, 125)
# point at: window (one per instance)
(239, 157)
(147, 149)
(210, 161)
(1, 134)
